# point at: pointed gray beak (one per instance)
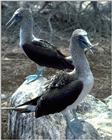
(10, 22)
(90, 47)
(87, 41)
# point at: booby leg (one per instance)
(74, 124)
(39, 73)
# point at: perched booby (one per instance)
(38, 50)
(65, 90)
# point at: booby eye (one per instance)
(18, 16)
(82, 42)
(82, 39)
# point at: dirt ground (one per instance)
(16, 66)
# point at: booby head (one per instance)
(80, 37)
(20, 15)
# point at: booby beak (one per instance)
(10, 22)
(16, 18)
(90, 47)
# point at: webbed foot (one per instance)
(34, 77)
(76, 128)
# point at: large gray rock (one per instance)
(108, 101)
(94, 118)
(98, 114)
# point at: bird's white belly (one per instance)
(87, 87)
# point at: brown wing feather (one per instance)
(45, 56)
(47, 44)
(57, 99)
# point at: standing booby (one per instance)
(66, 90)
(38, 50)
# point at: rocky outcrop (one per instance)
(94, 117)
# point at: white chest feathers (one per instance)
(88, 83)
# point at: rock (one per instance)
(98, 114)
(87, 131)
(108, 101)
(94, 118)
(28, 91)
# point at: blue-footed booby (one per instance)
(66, 90)
(38, 50)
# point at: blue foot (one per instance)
(31, 78)
(76, 128)
(34, 77)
